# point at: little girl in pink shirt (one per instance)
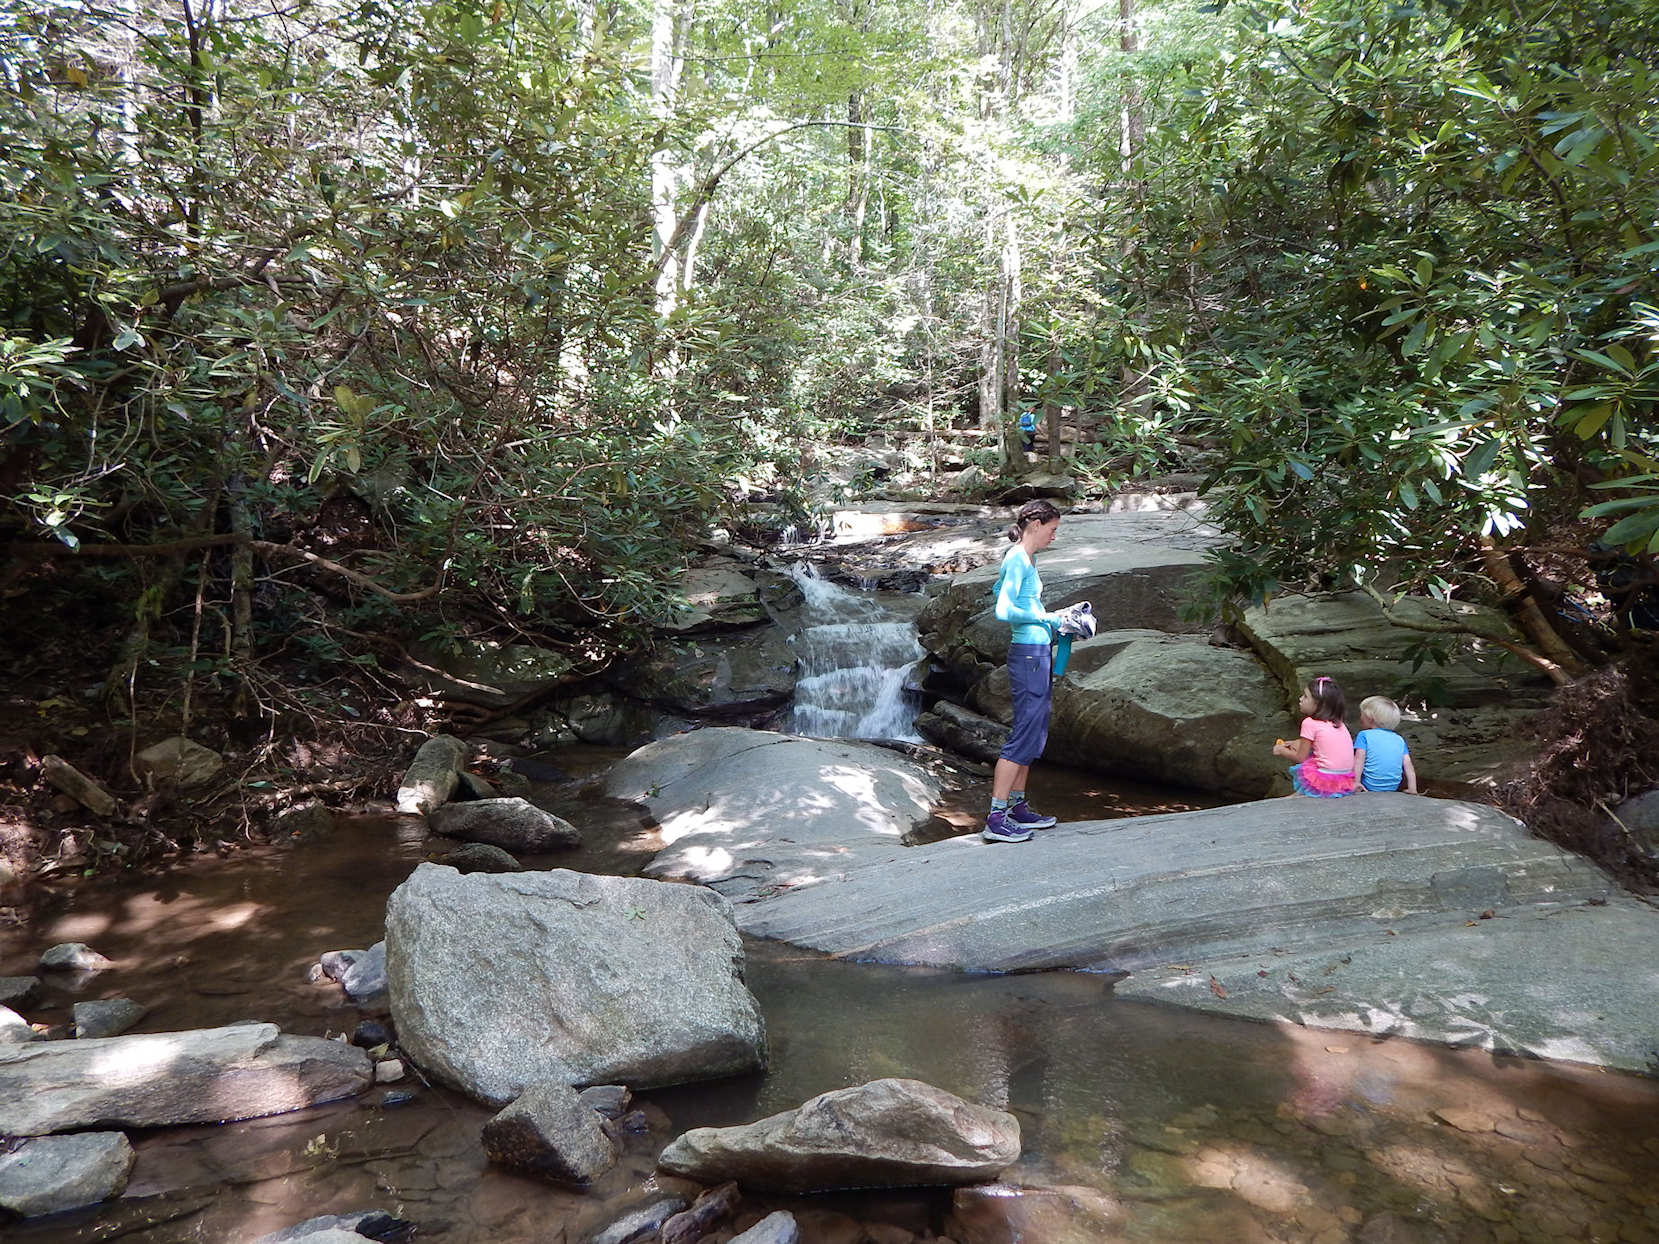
(1324, 754)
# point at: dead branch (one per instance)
(278, 552)
(1450, 626)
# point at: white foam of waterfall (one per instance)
(854, 651)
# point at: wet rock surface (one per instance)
(888, 1133)
(778, 1227)
(1108, 1092)
(512, 824)
(645, 978)
(335, 1228)
(551, 1133)
(1443, 920)
(73, 957)
(156, 1079)
(480, 857)
(1009, 1214)
(642, 1224)
(51, 1174)
(107, 1017)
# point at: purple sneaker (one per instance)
(999, 827)
(1027, 817)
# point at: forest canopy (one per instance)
(318, 311)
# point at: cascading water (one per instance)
(855, 649)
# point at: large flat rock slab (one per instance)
(209, 1075)
(1128, 895)
(752, 810)
(1577, 983)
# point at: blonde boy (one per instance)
(1381, 757)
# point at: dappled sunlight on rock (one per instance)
(707, 861)
(776, 805)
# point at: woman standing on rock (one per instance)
(1018, 592)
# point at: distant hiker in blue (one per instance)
(1019, 601)
(1028, 430)
(1381, 757)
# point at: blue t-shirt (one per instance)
(1385, 754)
(1019, 596)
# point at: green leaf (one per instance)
(1593, 421)
(1635, 528)
(1480, 458)
(1414, 339)
(1408, 494)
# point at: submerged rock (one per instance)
(209, 1075)
(511, 824)
(779, 1227)
(551, 1133)
(361, 973)
(888, 1133)
(498, 982)
(52, 1174)
(108, 1017)
(480, 857)
(305, 820)
(642, 1224)
(1007, 1214)
(17, 990)
(370, 1224)
(74, 957)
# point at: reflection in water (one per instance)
(1199, 1128)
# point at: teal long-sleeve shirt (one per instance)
(1019, 597)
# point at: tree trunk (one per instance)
(1519, 601)
(669, 25)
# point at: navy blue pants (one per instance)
(1028, 680)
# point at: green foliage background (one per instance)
(378, 280)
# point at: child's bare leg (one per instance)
(1008, 777)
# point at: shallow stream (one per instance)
(1172, 1126)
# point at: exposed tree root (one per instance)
(1598, 745)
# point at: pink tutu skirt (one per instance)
(1308, 780)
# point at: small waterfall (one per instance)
(854, 650)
